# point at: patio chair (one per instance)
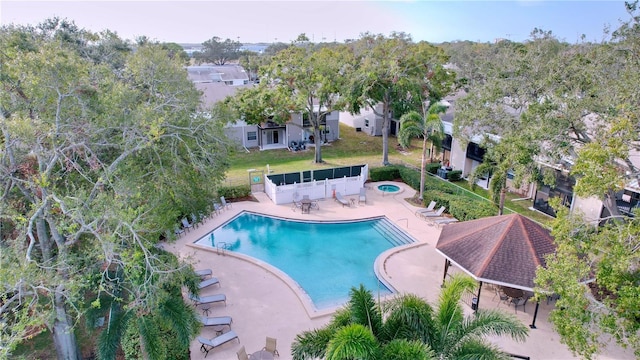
(271, 346)
(428, 209)
(210, 281)
(194, 220)
(437, 213)
(178, 231)
(521, 301)
(186, 225)
(363, 196)
(217, 208)
(503, 298)
(216, 321)
(207, 345)
(203, 273)
(225, 204)
(341, 200)
(242, 354)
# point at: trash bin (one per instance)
(474, 304)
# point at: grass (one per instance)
(352, 148)
(355, 148)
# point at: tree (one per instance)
(297, 80)
(397, 74)
(409, 325)
(429, 127)
(217, 51)
(176, 50)
(98, 161)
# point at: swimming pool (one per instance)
(326, 259)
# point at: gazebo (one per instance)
(503, 250)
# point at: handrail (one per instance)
(406, 219)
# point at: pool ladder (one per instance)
(221, 247)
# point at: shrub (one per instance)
(234, 192)
(434, 183)
(432, 168)
(440, 197)
(464, 208)
(410, 177)
(385, 173)
(454, 175)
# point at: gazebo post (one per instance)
(475, 311)
(535, 315)
(447, 263)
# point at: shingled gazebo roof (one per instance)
(504, 250)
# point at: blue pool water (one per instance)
(325, 259)
(388, 188)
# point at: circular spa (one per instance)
(389, 189)
(326, 259)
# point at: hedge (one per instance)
(234, 192)
(455, 175)
(385, 173)
(432, 168)
(464, 208)
(410, 177)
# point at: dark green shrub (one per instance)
(432, 168)
(464, 208)
(454, 175)
(234, 192)
(385, 173)
(440, 197)
(435, 183)
(410, 177)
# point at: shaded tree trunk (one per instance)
(503, 195)
(423, 162)
(318, 143)
(385, 130)
(64, 338)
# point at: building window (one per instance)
(252, 135)
(366, 122)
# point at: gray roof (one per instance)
(504, 249)
(213, 92)
(216, 73)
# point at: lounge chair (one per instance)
(363, 196)
(216, 321)
(437, 213)
(443, 220)
(242, 354)
(432, 205)
(203, 273)
(210, 281)
(186, 225)
(209, 344)
(224, 202)
(271, 346)
(210, 299)
(341, 200)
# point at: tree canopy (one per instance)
(218, 51)
(103, 151)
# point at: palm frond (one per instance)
(312, 344)
(182, 318)
(476, 350)
(492, 322)
(364, 309)
(409, 317)
(150, 337)
(353, 342)
(403, 349)
(109, 339)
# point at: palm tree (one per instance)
(407, 327)
(429, 127)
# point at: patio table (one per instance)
(261, 355)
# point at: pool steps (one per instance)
(392, 233)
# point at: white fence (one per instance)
(316, 189)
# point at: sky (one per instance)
(323, 20)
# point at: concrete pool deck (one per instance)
(263, 304)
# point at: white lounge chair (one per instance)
(216, 321)
(342, 200)
(206, 300)
(204, 273)
(432, 205)
(363, 196)
(209, 344)
(186, 225)
(210, 281)
(224, 202)
(432, 214)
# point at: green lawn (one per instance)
(354, 148)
